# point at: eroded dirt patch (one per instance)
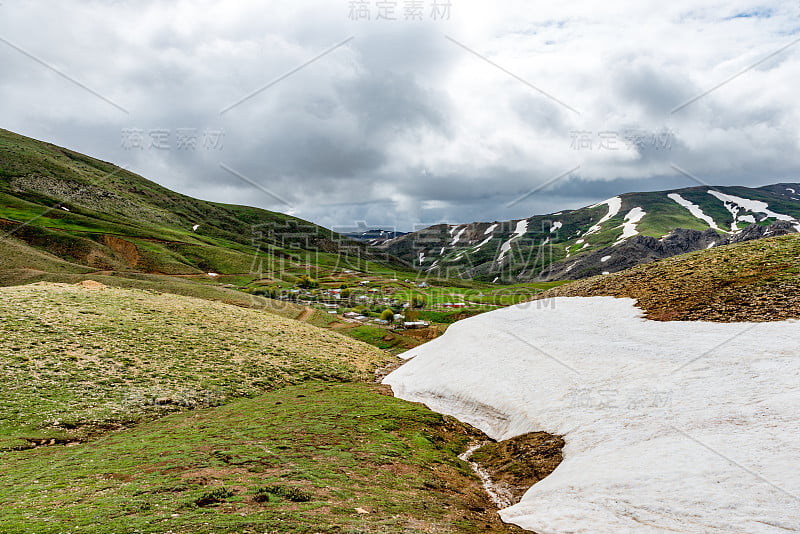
(516, 464)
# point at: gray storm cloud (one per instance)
(411, 121)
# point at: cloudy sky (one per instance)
(411, 112)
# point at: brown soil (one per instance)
(462, 501)
(425, 334)
(306, 314)
(753, 281)
(126, 249)
(91, 285)
(516, 464)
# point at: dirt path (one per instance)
(306, 314)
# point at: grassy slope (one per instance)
(199, 288)
(344, 446)
(117, 220)
(164, 399)
(73, 357)
(751, 281)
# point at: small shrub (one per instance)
(306, 282)
(213, 497)
(289, 493)
(262, 495)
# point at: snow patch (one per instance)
(614, 205)
(556, 226)
(748, 218)
(480, 245)
(519, 231)
(490, 229)
(733, 204)
(195, 227)
(695, 210)
(712, 245)
(606, 272)
(458, 236)
(605, 259)
(632, 218)
(660, 436)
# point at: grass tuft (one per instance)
(214, 496)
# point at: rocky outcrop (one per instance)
(755, 231)
(645, 249)
(754, 281)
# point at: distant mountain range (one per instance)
(375, 237)
(607, 237)
(61, 211)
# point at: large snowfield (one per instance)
(669, 426)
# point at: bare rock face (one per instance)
(644, 249)
(755, 231)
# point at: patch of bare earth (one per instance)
(754, 281)
(91, 285)
(516, 464)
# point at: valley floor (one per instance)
(129, 410)
(318, 457)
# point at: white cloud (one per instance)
(347, 137)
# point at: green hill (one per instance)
(64, 212)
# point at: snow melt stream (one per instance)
(669, 426)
